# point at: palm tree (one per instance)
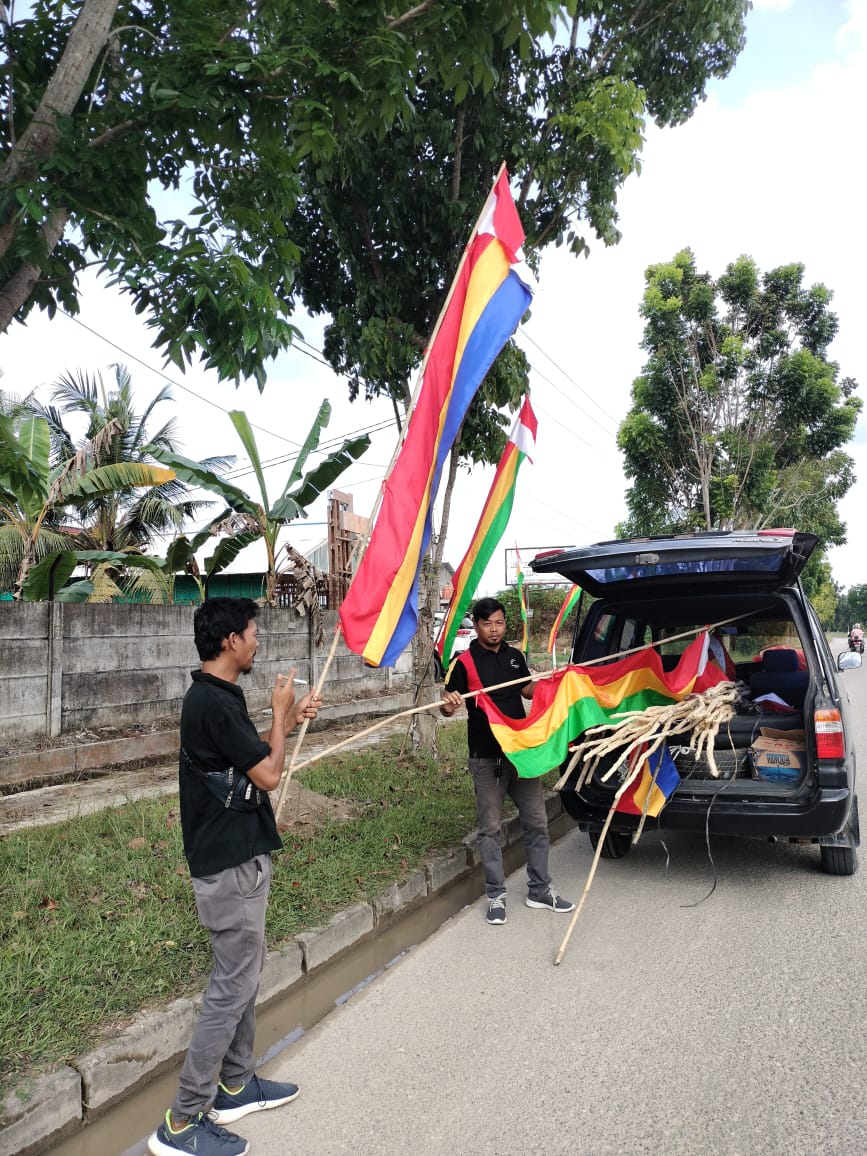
(34, 492)
(123, 521)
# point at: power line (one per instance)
(171, 380)
(568, 377)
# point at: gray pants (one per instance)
(231, 905)
(493, 780)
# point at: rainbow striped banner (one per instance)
(522, 604)
(565, 704)
(569, 604)
(491, 526)
(491, 293)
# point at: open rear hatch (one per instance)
(704, 563)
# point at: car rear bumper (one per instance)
(825, 813)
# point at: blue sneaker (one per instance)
(253, 1097)
(201, 1136)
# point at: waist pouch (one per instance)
(235, 791)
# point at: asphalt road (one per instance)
(679, 1022)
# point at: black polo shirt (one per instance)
(217, 732)
(494, 667)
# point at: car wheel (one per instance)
(616, 845)
(839, 860)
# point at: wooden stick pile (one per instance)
(699, 715)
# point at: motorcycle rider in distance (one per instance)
(856, 638)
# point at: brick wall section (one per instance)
(65, 668)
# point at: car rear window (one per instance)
(763, 564)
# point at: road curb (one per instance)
(48, 1108)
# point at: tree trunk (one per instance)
(86, 41)
(425, 723)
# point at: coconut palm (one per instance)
(124, 520)
(34, 492)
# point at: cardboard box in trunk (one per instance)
(778, 760)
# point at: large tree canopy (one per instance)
(393, 116)
(738, 418)
(107, 102)
(382, 225)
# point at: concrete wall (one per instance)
(65, 668)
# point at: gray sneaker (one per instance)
(201, 1136)
(497, 911)
(551, 901)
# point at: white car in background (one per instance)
(465, 635)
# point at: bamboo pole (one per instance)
(628, 781)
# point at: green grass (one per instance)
(98, 920)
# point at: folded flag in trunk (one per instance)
(660, 764)
(577, 697)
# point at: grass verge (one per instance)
(98, 917)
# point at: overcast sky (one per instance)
(771, 164)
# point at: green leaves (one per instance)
(737, 418)
(45, 578)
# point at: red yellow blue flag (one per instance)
(652, 787)
(491, 292)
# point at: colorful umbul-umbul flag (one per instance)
(574, 698)
(569, 604)
(653, 786)
(522, 604)
(492, 290)
(492, 525)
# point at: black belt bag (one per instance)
(235, 791)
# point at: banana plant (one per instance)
(33, 495)
(245, 520)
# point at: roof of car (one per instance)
(707, 561)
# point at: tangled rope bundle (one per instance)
(699, 715)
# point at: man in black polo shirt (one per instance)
(489, 662)
(229, 833)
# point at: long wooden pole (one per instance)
(294, 765)
(362, 542)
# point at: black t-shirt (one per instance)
(216, 733)
(493, 666)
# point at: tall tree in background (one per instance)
(738, 418)
(105, 104)
(384, 221)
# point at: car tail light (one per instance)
(464, 633)
(829, 734)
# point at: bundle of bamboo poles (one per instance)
(698, 715)
(641, 733)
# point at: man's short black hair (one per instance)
(216, 619)
(485, 607)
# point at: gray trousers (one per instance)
(231, 905)
(493, 779)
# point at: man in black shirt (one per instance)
(489, 662)
(229, 831)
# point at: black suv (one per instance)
(746, 585)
